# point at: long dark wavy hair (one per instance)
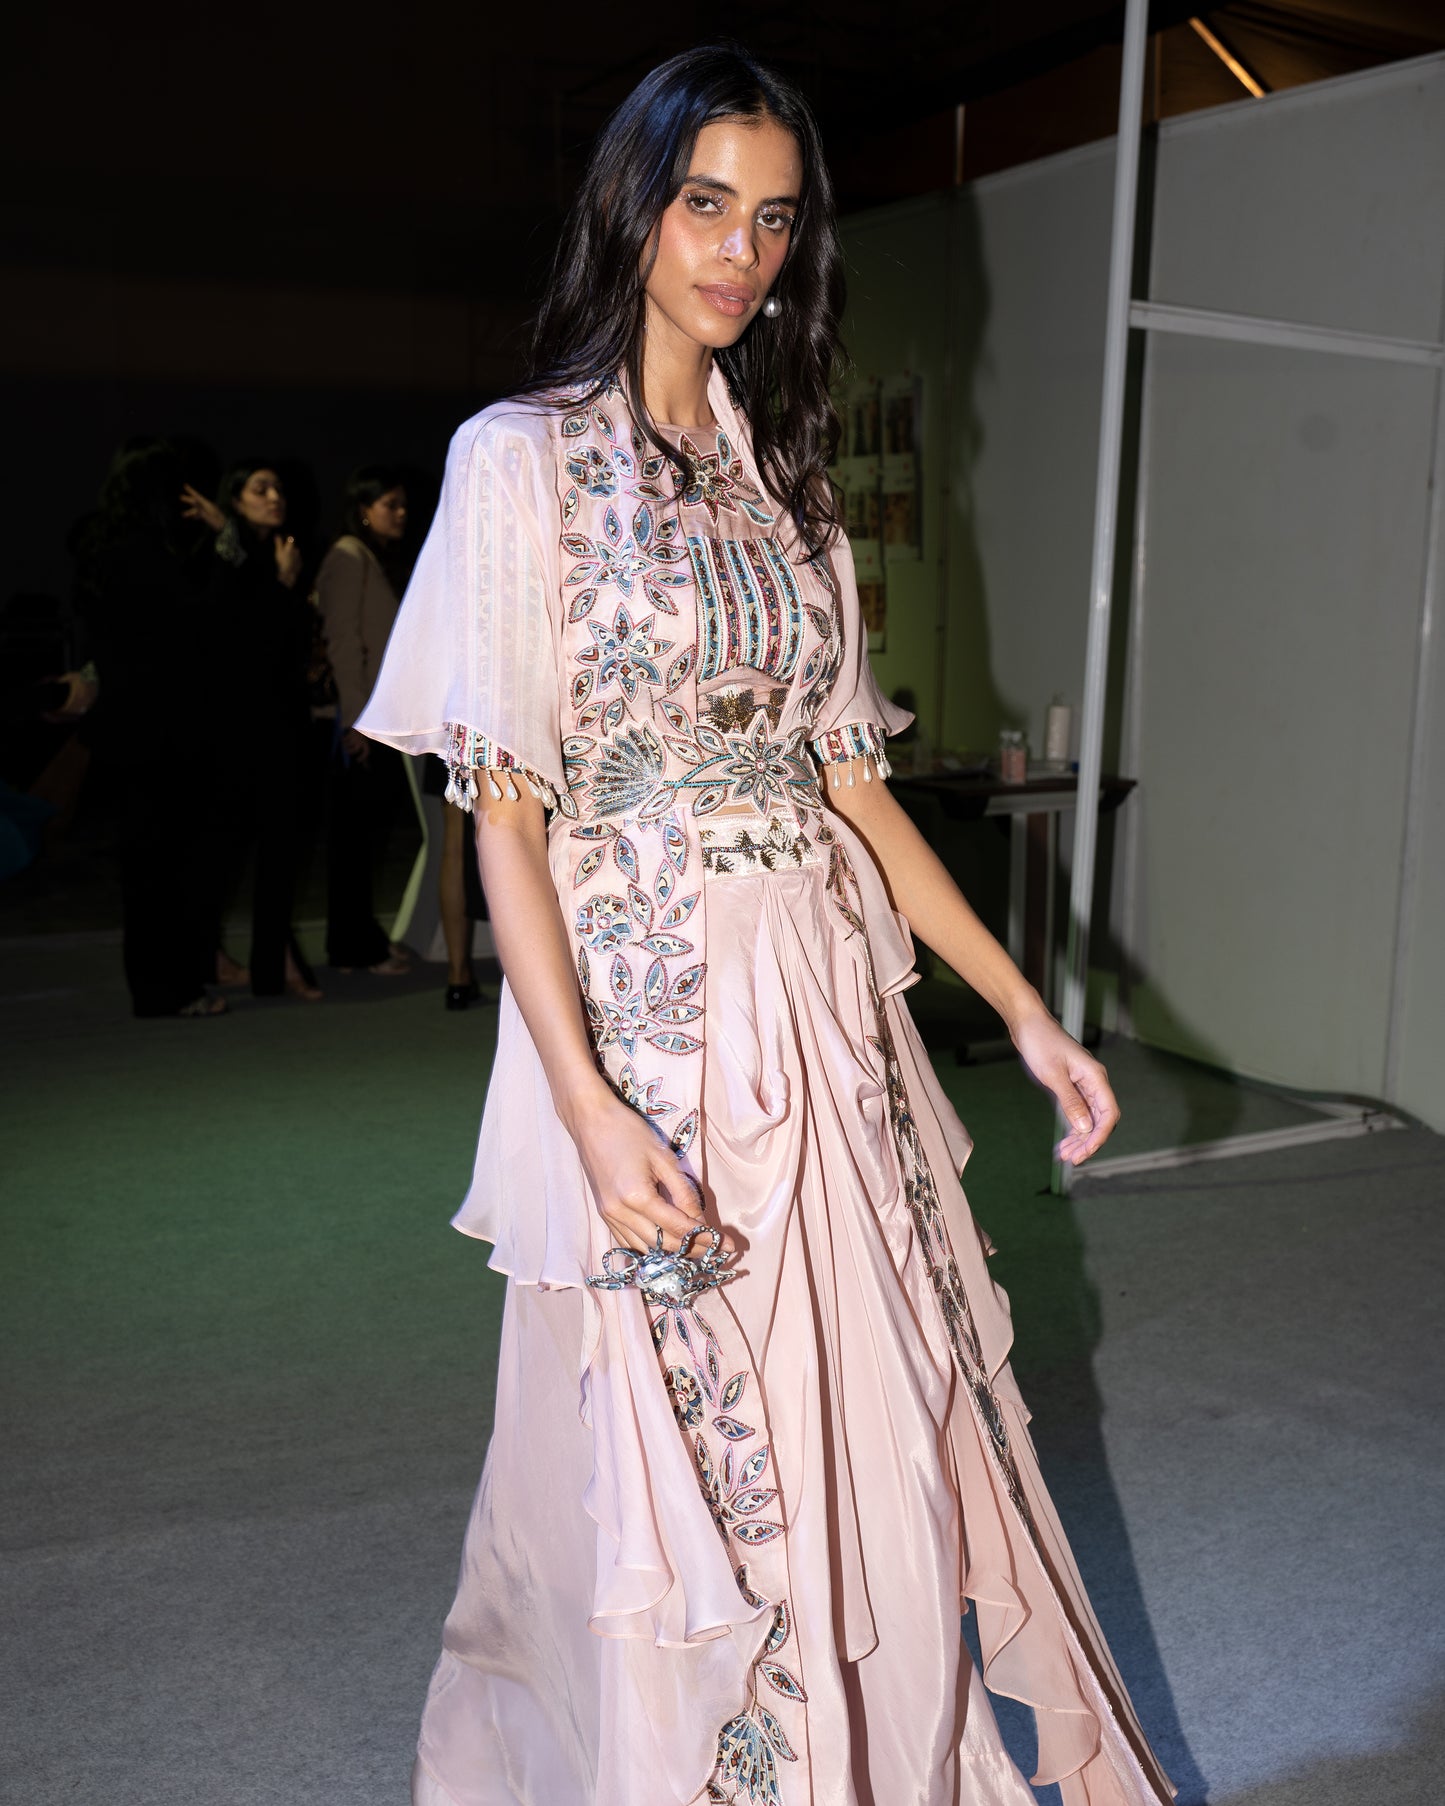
(589, 328)
(141, 498)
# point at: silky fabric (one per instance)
(895, 1523)
(797, 1160)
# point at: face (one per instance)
(722, 241)
(262, 501)
(385, 518)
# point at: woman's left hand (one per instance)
(1075, 1078)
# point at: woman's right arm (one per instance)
(638, 1181)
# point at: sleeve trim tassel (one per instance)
(470, 754)
(857, 740)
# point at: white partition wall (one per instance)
(1283, 558)
(1288, 829)
(1279, 901)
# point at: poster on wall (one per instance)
(859, 482)
(860, 410)
(902, 523)
(872, 591)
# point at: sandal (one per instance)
(204, 1006)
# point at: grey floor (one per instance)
(246, 1393)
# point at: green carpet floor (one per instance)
(247, 1371)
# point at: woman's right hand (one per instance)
(195, 506)
(638, 1181)
(288, 560)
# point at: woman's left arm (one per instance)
(940, 916)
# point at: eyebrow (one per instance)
(773, 200)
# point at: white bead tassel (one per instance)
(461, 790)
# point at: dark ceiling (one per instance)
(432, 148)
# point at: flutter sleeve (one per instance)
(472, 667)
(856, 718)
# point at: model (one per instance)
(756, 1444)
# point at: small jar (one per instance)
(1013, 756)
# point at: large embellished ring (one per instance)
(662, 1277)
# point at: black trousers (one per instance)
(172, 857)
(362, 799)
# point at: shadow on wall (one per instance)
(968, 693)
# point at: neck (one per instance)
(675, 372)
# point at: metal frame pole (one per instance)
(1106, 517)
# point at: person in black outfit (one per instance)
(260, 629)
(142, 563)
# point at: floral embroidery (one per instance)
(751, 767)
(624, 653)
(733, 1471)
(649, 764)
(718, 481)
(625, 560)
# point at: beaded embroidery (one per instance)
(750, 612)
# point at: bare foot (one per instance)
(229, 973)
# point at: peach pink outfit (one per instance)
(719, 1552)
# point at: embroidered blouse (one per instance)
(665, 666)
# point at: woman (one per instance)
(141, 569)
(723, 1536)
(259, 628)
(364, 785)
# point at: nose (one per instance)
(740, 247)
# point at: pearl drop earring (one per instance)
(772, 307)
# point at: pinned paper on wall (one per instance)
(859, 482)
(878, 476)
(902, 514)
(860, 411)
(872, 591)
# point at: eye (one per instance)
(700, 202)
(776, 219)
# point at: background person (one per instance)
(142, 565)
(259, 626)
(366, 783)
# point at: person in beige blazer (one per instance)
(366, 782)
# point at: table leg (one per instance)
(1037, 899)
(1018, 853)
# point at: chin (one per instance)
(719, 333)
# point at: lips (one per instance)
(728, 298)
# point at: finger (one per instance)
(640, 1224)
(1093, 1083)
(684, 1193)
(1075, 1110)
(624, 1236)
(677, 1188)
